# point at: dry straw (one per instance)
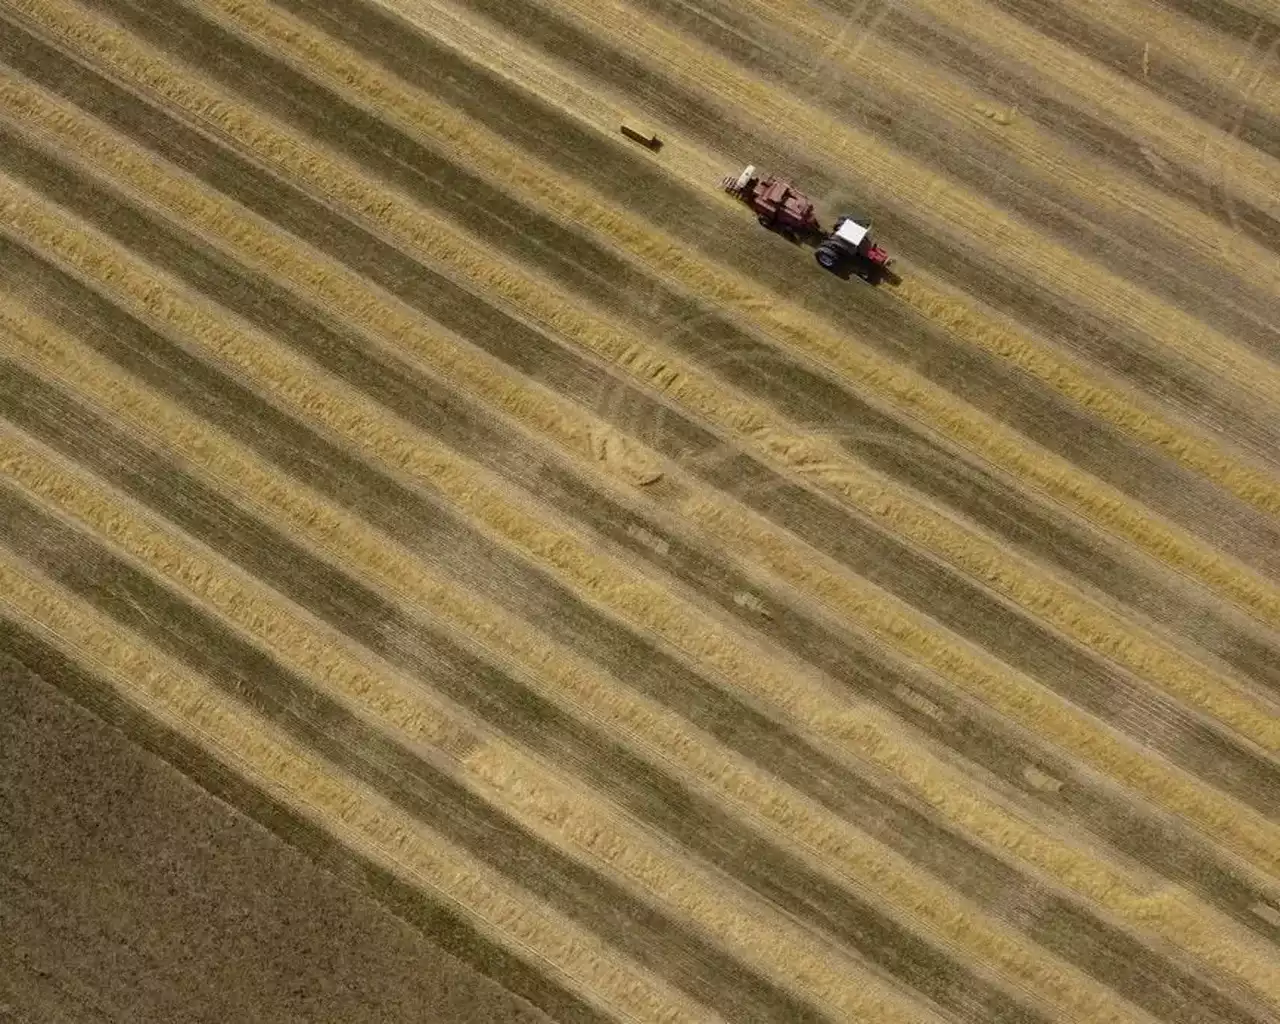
(366, 823)
(1056, 476)
(820, 461)
(564, 677)
(492, 156)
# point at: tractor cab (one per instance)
(850, 243)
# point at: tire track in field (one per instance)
(92, 376)
(885, 561)
(648, 529)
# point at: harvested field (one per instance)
(455, 562)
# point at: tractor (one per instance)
(850, 246)
(780, 207)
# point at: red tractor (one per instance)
(780, 207)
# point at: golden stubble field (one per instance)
(457, 565)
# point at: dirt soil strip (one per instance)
(293, 458)
(273, 300)
(953, 315)
(1163, 595)
(264, 748)
(283, 385)
(265, 933)
(475, 758)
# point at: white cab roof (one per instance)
(852, 233)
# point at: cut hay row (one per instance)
(312, 650)
(591, 829)
(238, 125)
(1127, 106)
(656, 734)
(644, 604)
(910, 186)
(366, 824)
(919, 85)
(568, 427)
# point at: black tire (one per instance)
(765, 221)
(827, 258)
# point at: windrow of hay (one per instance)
(314, 651)
(660, 735)
(914, 84)
(1055, 268)
(360, 818)
(416, 111)
(1034, 588)
(315, 396)
(486, 763)
(83, 140)
(1056, 476)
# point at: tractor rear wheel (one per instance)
(827, 258)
